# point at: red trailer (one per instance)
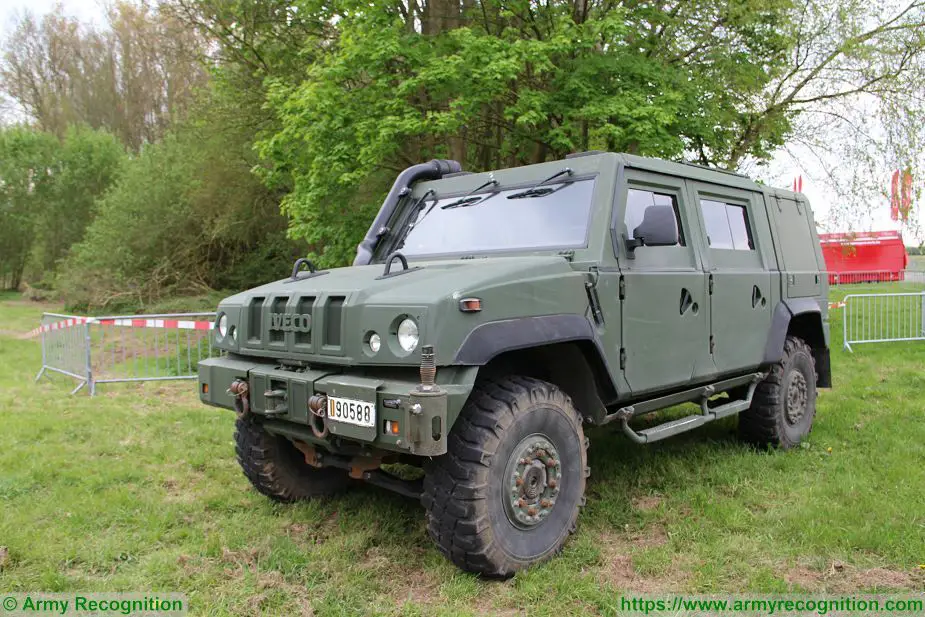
(864, 257)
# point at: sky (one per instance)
(780, 173)
(85, 10)
(788, 166)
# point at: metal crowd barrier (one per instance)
(125, 348)
(883, 318)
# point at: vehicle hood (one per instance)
(423, 283)
(336, 311)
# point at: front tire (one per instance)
(277, 468)
(784, 404)
(506, 494)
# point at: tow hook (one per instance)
(318, 404)
(280, 408)
(239, 390)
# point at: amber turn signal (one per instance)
(470, 305)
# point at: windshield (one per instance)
(503, 221)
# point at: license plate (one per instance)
(361, 413)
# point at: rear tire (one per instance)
(784, 404)
(277, 468)
(506, 494)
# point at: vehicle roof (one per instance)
(704, 174)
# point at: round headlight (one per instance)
(234, 334)
(374, 342)
(223, 325)
(408, 334)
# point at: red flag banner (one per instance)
(895, 199)
(905, 205)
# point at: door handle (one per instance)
(757, 298)
(687, 302)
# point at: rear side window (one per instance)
(727, 226)
(638, 201)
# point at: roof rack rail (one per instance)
(575, 155)
(719, 169)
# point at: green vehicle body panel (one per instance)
(649, 321)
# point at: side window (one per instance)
(638, 201)
(727, 226)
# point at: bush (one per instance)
(186, 215)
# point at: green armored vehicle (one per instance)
(488, 317)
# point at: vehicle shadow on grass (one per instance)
(624, 498)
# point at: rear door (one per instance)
(800, 253)
(664, 318)
(738, 259)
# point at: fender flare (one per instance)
(780, 323)
(493, 338)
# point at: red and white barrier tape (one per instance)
(172, 324)
(837, 305)
(61, 325)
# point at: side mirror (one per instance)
(659, 227)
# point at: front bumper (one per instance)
(281, 396)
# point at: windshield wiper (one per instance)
(536, 191)
(466, 200)
(408, 220)
(418, 205)
(462, 203)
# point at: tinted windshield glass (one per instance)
(498, 223)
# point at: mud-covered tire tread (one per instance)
(761, 425)
(277, 469)
(456, 485)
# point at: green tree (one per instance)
(26, 183)
(85, 165)
(501, 83)
(184, 216)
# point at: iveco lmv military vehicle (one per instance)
(488, 317)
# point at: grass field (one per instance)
(137, 489)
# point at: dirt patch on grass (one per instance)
(652, 535)
(842, 578)
(647, 503)
(240, 560)
(617, 556)
(186, 489)
(273, 580)
(236, 564)
(407, 584)
(411, 584)
(308, 534)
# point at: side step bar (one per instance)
(682, 425)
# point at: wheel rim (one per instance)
(534, 479)
(797, 395)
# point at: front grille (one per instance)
(255, 319)
(332, 320)
(304, 307)
(278, 306)
(324, 335)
